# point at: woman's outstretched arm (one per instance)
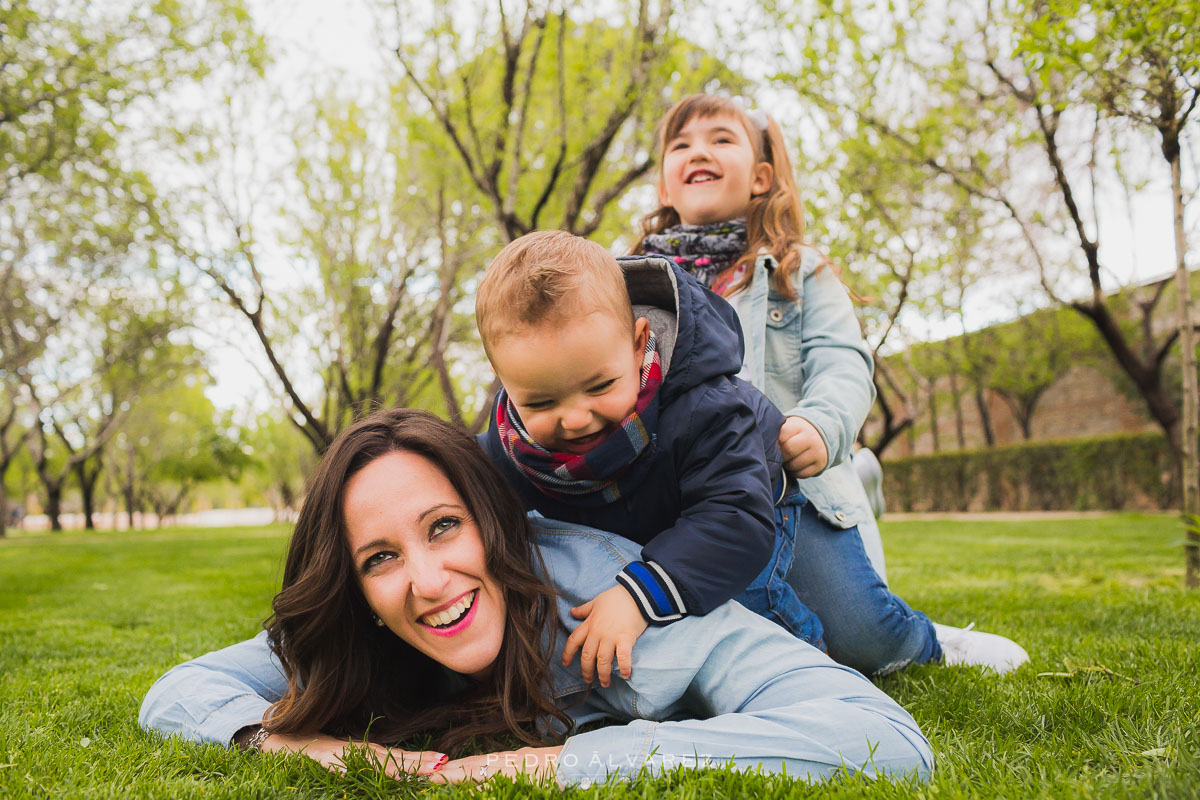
(210, 698)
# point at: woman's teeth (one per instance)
(450, 615)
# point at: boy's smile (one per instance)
(572, 379)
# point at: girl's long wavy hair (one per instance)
(774, 219)
(345, 674)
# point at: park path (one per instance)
(211, 518)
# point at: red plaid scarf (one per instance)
(592, 478)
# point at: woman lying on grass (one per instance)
(419, 599)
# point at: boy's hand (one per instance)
(611, 624)
(803, 449)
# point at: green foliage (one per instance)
(174, 440)
(551, 115)
(1122, 56)
(1109, 472)
(283, 458)
(1106, 709)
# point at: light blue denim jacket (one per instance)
(808, 356)
(725, 687)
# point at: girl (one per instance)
(729, 212)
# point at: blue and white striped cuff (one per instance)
(653, 591)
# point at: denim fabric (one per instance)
(770, 595)
(809, 358)
(724, 688)
(866, 626)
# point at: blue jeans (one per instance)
(770, 595)
(865, 625)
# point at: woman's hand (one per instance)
(803, 449)
(329, 752)
(537, 762)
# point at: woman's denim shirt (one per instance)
(725, 688)
(808, 356)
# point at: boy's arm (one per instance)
(612, 622)
(726, 530)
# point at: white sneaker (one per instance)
(971, 648)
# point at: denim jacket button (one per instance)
(840, 516)
(775, 314)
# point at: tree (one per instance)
(76, 82)
(505, 96)
(1138, 64)
(282, 461)
(1035, 351)
(396, 209)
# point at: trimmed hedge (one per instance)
(1123, 471)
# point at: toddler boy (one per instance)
(620, 410)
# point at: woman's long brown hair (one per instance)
(346, 676)
(774, 219)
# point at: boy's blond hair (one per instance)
(548, 275)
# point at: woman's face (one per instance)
(420, 561)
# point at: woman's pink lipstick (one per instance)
(459, 626)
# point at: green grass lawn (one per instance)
(1109, 706)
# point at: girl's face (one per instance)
(420, 562)
(709, 171)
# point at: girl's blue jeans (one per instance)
(826, 592)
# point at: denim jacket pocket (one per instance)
(782, 369)
(781, 312)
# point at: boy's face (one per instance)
(572, 380)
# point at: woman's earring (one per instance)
(378, 620)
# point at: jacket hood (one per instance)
(698, 333)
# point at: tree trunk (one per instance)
(955, 395)
(3, 508)
(933, 415)
(1189, 463)
(54, 506)
(87, 491)
(985, 418)
(1026, 423)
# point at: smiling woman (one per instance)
(419, 598)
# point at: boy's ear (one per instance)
(763, 174)
(641, 335)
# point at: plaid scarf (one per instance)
(705, 251)
(591, 478)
